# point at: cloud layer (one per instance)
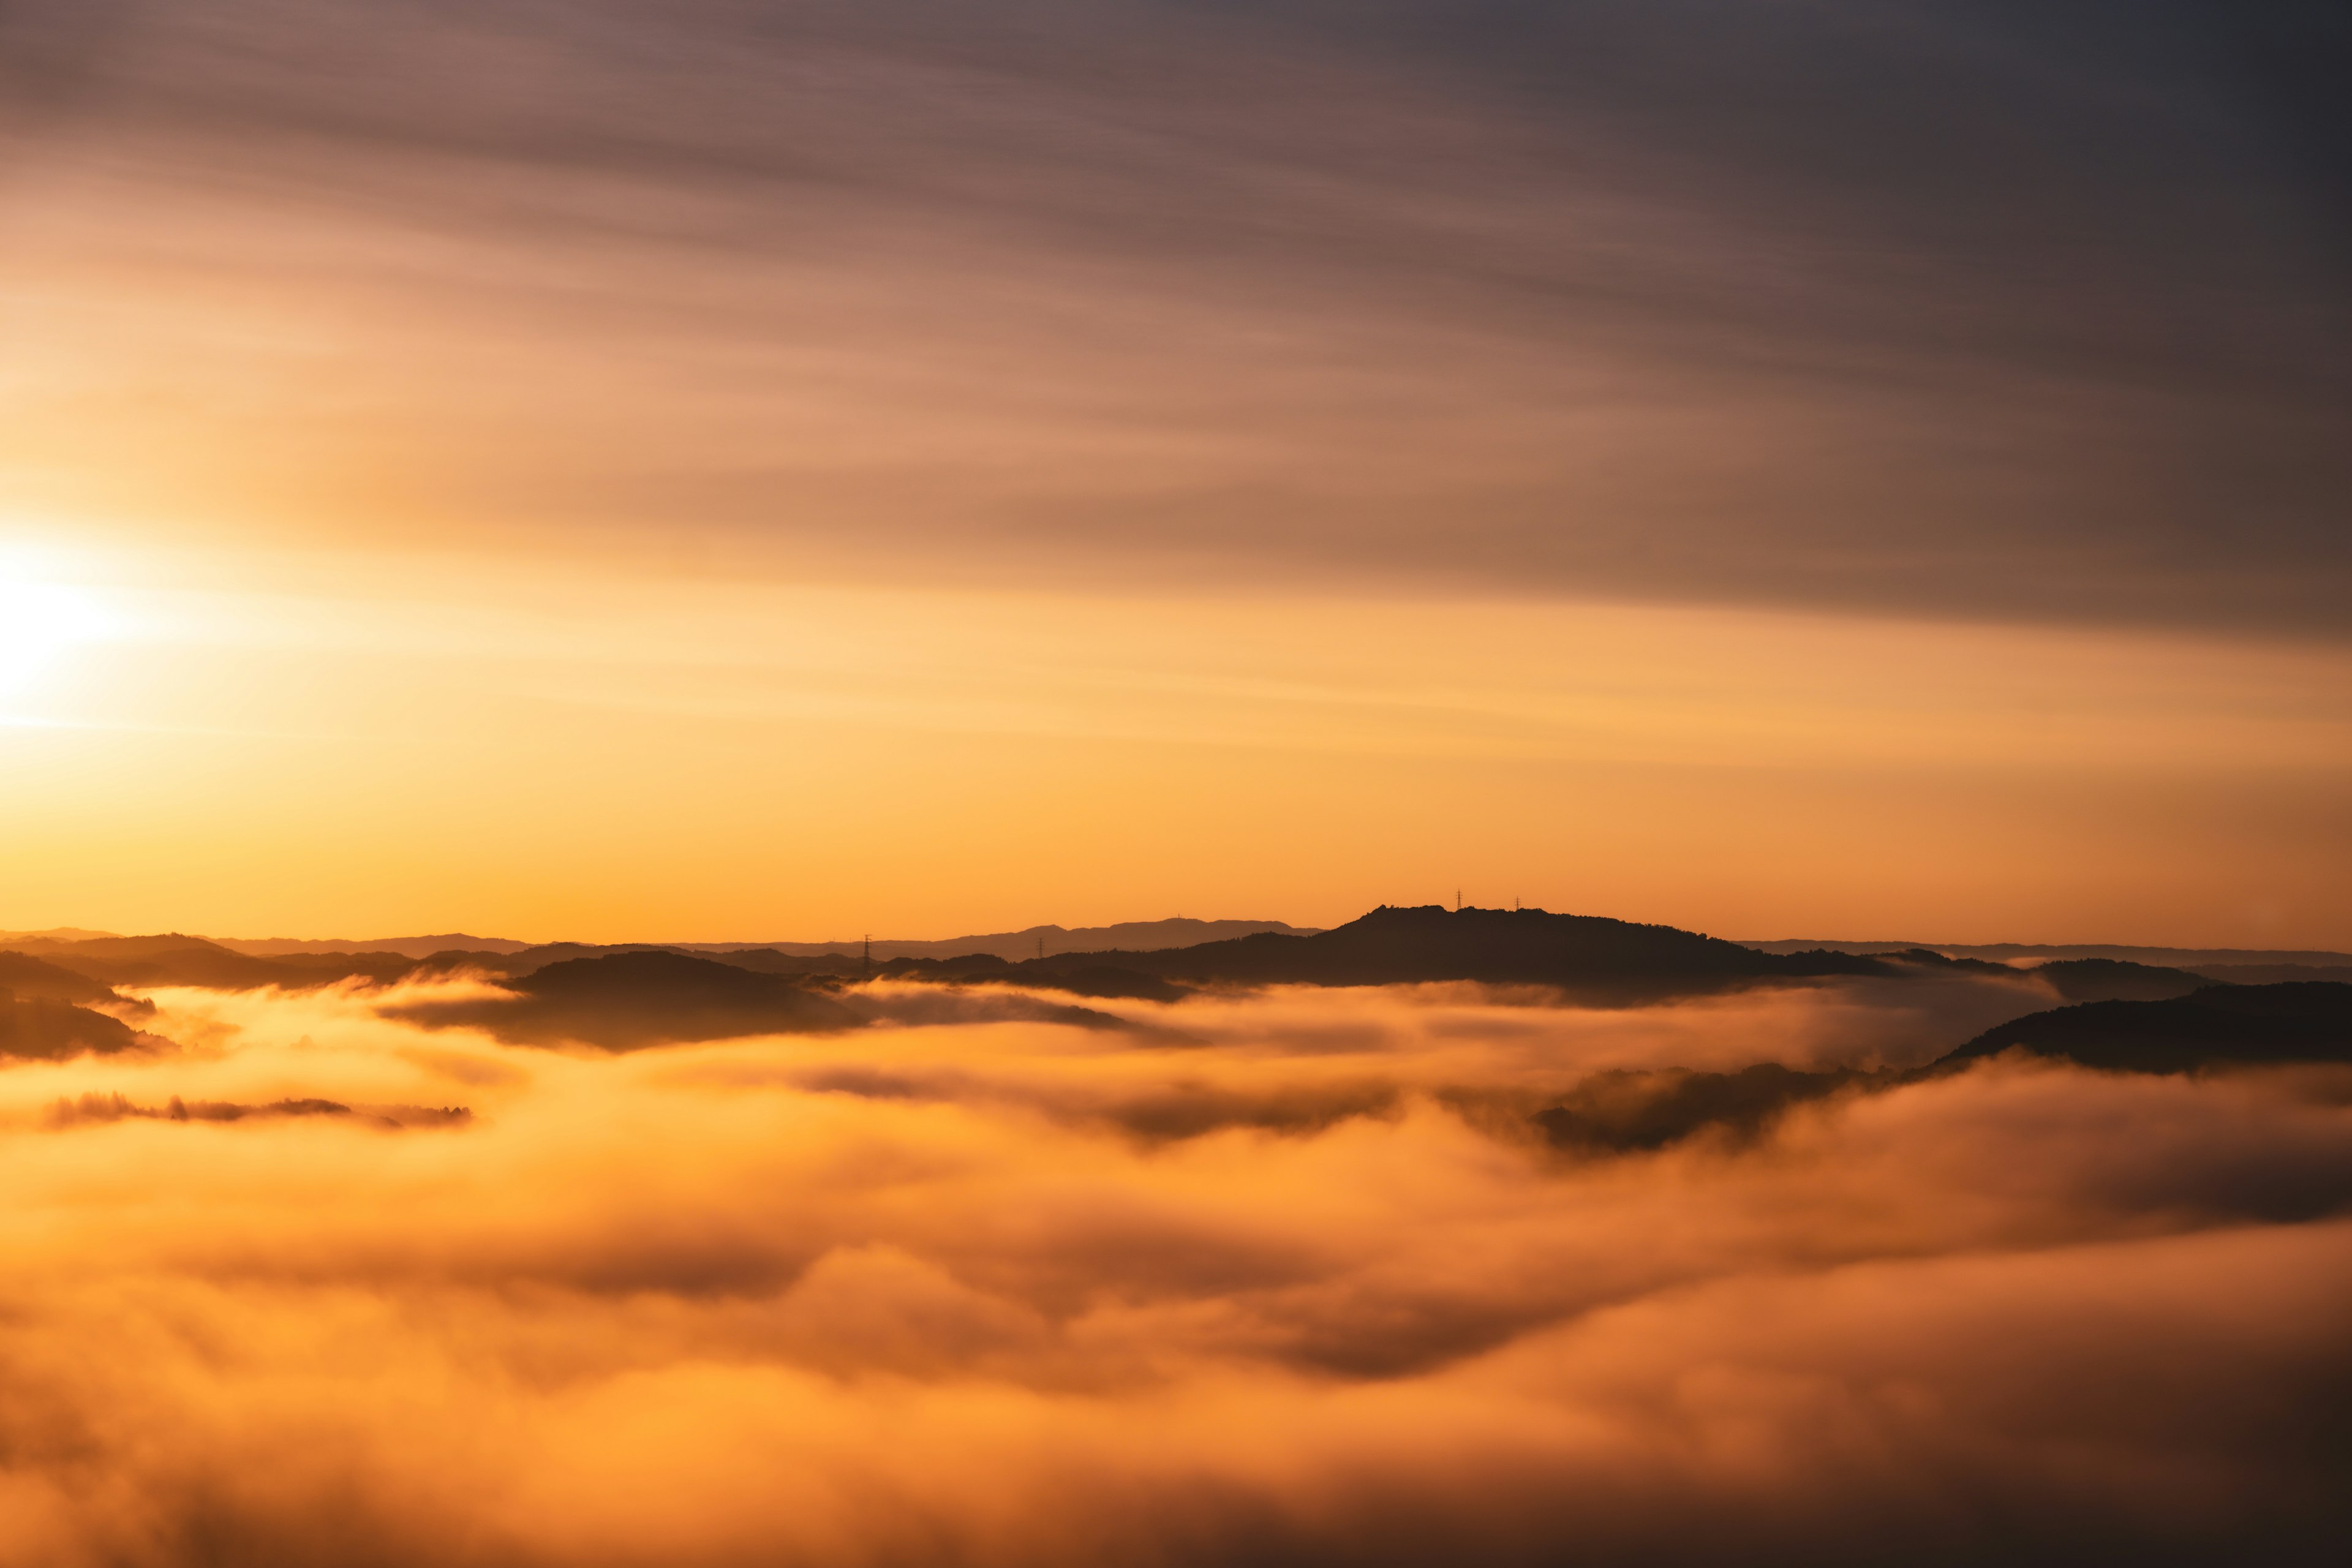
(2007, 310)
(1306, 1287)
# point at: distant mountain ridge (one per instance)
(1133, 936)
(2001, 951)
(1591, 957)
(1177, 931)
(626, 1001)
(2130, 1015)
(37, 1028)
(405, 946)
(2220, 1026)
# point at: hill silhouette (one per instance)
(1014, 946)
(1591, 956)
(2198, 960)
(1591, 959)
(2220, 1026)
(2274, 974)
(1626, 1111)
(630, 1000)
(1076, 974)
(174, 959)
(168, 959)
(2117, 980)
(410, 947)
(101, 1110)
(38, 979)
(38, 1029)
(525, 956)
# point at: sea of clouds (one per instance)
(1284, 1278)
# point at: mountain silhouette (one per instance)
(2274, 974)
(2220, 1026)
(169, 959)
(2198, 960)
(627, 1000)
(1591, 956)
(525, 956)
(1631, 1111)
(35, 1028)
(2117, 980)
(1626, 1111)
(101, 1110)
(1074, 973)
(1013, 945)
(174, 959)
(40, 980)
(410, 947)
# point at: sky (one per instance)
(728, 471)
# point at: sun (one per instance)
(39, 621)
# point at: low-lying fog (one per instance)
(1276, 1278)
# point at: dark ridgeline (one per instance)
(2220, 1026)
(627, 1000)
(1076, 974)
(172, 959)
(1593, 956)
(2117, 980)
(1590, 958)
(35, 1028)
(1508, 947)
(39, 979)
(102, 1110)
(2274, 974)
(1626, 1111)
(2205, 961)
(1034, 941)
(43, 1016)
(410, 947)
(2135, 1017)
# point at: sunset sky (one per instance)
(733, 470)
(642, 483)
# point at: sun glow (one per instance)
(39, 622)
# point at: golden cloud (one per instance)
(1305, 1285)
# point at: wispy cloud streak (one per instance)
(1991, 311)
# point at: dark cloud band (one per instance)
(2008, 310)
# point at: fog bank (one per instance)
(1294, 1280)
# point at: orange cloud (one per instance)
(1015, 1292)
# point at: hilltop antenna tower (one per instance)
(1457, 901)
(870, 952)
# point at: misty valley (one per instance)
(1441, 1233)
